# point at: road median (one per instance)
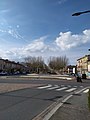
(36, 76)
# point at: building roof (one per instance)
(83, 57)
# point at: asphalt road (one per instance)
(25, 104)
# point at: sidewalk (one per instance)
(76, 108)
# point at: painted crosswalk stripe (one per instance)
(63, 88)
(51, 88)
(47, 86)
(86, 91)
(62, 85)
(70, 90)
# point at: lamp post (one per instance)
(79, 13)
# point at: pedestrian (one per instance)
(78, 77)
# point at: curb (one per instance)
(42, 77)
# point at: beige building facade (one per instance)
(83, 64)
(10, 66)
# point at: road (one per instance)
(29, 101)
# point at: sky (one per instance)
(44, 28)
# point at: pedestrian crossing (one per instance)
(66, 88)
(72, 89)
(63, 88)
(47, 86)
(86, 91)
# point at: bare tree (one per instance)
(58, 63)
(35, 64)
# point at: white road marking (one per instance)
(61, 89)
(72, 89)
(51, 88)
(86, 91)
(49, 85)
(50, 113)
(62, 85)
(80, 91)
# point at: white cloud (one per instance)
(38, 47)
(61, 1)
(14, 33)
(35, 46)
(3, 31)
(18, 26)
(5, 11)
(68, 40)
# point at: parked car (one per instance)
(3, 73)
(16, 73)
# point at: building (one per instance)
(1, 64)
(71, 69)
(83, 64)
(11, 66)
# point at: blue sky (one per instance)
(44, 28)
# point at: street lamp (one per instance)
(79, 13)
